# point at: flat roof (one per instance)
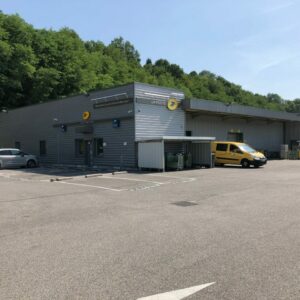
(169, 138)
(194, 105)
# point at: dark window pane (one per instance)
(233, 148)
(221, 147)
(15, 152)
(98, 146)
(43, 148)
(79, 147)
(5, 152)
(235, 136)
(18, 145)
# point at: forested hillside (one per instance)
(40, 65)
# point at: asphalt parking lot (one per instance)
(74, 235)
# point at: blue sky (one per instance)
(252, 43)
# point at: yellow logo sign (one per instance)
(172, 104)
(86, 115)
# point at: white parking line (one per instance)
(133, 179)
(174, 177)
(178, 294)
(90, 186)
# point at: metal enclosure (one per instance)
(201, 154)
(151, 151)
(151, 155)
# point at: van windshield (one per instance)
(247, 148)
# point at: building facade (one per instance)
(105, 128)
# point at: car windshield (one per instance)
(247, 148)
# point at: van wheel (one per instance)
(31, 164)
(245, 163)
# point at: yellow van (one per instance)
(237, 154)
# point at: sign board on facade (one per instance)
(109, 102)
(85, 129)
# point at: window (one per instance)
(18, 145)
(221, 147)
(235, 137)
(98, 146)
(79, 147)
(5, 152)
(16, 152)
(43, 148)
(188, 133)
(247, 148)
(235, 149)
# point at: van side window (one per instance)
(235, 149)
(222, 147)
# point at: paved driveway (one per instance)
(129, 236)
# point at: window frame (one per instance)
(18, 145)
(9, 153)
(95, 147)
(239, 151)
(44, 148)
(222, 144)
(77, 148)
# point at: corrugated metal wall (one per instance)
(120, 145)
(151, 155)
(201, 154)
(152, 120)
(292, 131)
(260, 134)
(175, 147)
(31, 124)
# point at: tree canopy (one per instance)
(38, 65)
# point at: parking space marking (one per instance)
(149, 183)
(90, 186)
(183, 179)
(134, 179)
(178, 294)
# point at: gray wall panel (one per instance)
(31, 124)
(236, 109)
(156, 120)
(260, 134)
(116, 153)
(292, 131)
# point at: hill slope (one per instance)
(40, 65)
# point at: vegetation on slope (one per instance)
(40, 65)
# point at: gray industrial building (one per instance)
(136, 124)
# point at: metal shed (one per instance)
(152, 151)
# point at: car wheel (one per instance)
(31, 164)
(245, 163)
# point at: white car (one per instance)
(12, 158)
